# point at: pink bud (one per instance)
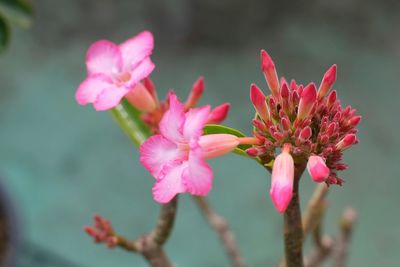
(293, 85)
(332, 98)
(285, 122)
(355, 121)
(346, 142)
(258, 99)
(284, 90)
(305, 133)
(218, 114)
(308, 97)
(270, 74)
(281, 190)
(195, 94)
(148, 83)
(141, 99)
(327, 81)
(317, 169)
(215, 145)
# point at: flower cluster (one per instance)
(144, 98)
(306, 123)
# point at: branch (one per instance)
(293, 229)
(340, 250)
(312, 215)
(320, 253)
(221, 227)
(150, 246)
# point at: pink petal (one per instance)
(109, 97)
(196, 118)
(157, 151)
(199, 179)
(137, 49)
(91, 88)
(170, 184)
(140, 72)
(172, 122)
(103, 57)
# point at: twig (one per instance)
(320, 253)
(150, 246)
(293, 229)
(221, 227)
(340, 250)
(313, 212)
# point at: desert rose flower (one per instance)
(114, 70)
(176, 157)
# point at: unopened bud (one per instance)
(195, 94)
(317, 169)
(268, 67)
(141, 99)
(257, 97)
(215, 145)
(307, 100)
(346, 142)
(218, 114)
(281, 190)
(327, 81)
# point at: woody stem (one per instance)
(293, 230)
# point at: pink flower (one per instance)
(176, 157)
(317, 169)
(282, 180)
(114, 70)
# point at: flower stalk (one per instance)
(293, 229)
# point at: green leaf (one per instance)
(18, 11)
(4, 33)
(220, 129)
(128, 118)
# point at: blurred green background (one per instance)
(62, 162)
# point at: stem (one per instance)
(156, 257)
(221, 227)
(163, 229)
(312, 215)
(320, 253)
(293, 230)
(346, 223)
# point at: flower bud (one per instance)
(346, 142)
(218, 114)
(141, 99)
(215, 145)
(317, 169)
(305, 133)
(258, 99)
(327, 81)
(281, 190)
(195, 94)
(268, 67)
(307, 100)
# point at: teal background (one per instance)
(62, 162)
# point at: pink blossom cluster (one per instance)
(309, 125)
